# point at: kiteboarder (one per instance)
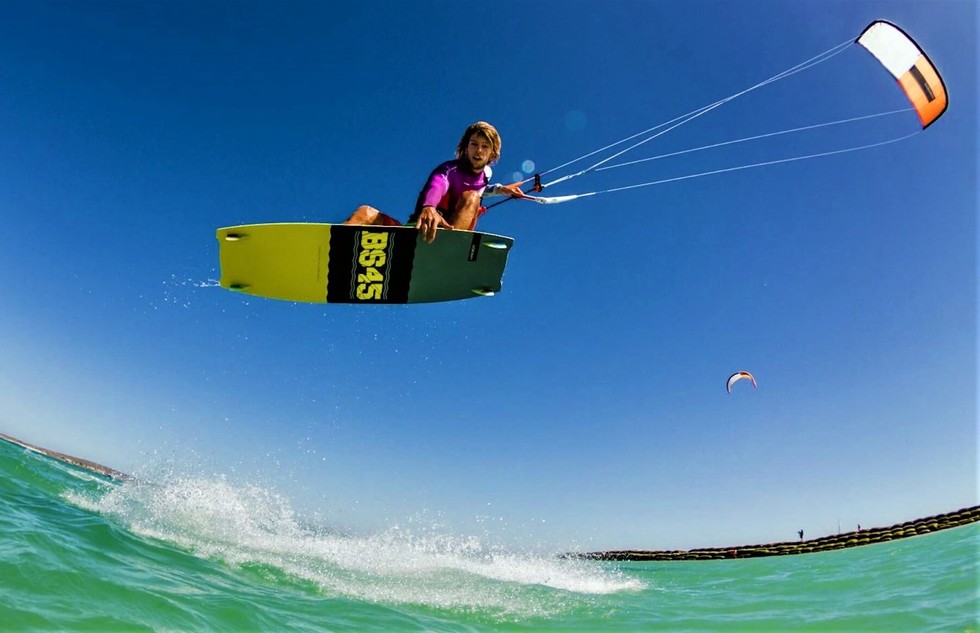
(452, 194)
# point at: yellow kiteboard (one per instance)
(335, 263)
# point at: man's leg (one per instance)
(364, 215)
(467, 210)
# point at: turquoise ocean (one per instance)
(81, 552)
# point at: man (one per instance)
(451, 196)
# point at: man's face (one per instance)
(479, 151)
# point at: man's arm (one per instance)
(513, 190)
(429, 218)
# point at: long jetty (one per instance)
(823, 544)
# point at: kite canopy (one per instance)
(916, 74)
(739, 375)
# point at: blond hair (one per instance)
(485, 129)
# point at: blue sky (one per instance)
(584, 405)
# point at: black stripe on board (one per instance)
(370, 264)
(474, 247)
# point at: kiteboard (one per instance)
(336, 263)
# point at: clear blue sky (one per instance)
(584, 405)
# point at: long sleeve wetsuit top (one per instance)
(446, 184)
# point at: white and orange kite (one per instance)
(740, 375)
(915, 73)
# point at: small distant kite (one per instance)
(739, 375)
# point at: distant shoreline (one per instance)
(74, 461)
(857, 538)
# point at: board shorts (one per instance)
(386, 220)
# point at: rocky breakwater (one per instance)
(823, 544)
